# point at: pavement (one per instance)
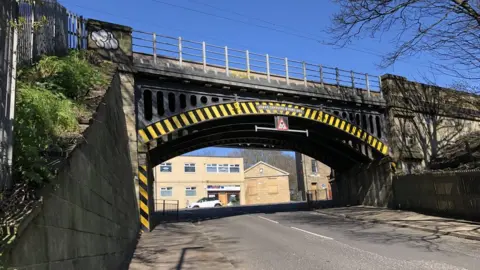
(177, 246)
(299, 240)
(399, 218)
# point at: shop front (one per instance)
(226, 194)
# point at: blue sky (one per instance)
(300, 29)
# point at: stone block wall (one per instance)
(89, 216)
(451, 194)
(423, 120)
(365, 184)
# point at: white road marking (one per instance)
(322, 236)
(320, 214)
(276, 222)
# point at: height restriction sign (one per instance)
(281, 122)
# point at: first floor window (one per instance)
(166, 191)
(223, 168)
(166, 167)
(191, 191)
(234, 168)
(314, 166)
(190, 167)
(212, 168)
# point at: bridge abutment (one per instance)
(365, 184)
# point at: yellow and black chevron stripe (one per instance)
(233, 109)
(144, 199)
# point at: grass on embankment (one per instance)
(52, 96)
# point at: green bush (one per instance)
(72, 75)
(41, 117)
(50, 98)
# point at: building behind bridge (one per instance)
(313, 177)
(190, 178)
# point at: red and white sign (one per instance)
(281, 123)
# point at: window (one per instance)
(272, 189)
(166, 191)
(166, 167)
(223, 168)
(189, 167)
(409, 140)
(212, 168)
(191, 191)
(234, 168)
(314, 166)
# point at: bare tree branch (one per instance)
(449, 30)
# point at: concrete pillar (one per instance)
(111, 41)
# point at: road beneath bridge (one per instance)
(296, 240)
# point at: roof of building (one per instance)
(266, 164)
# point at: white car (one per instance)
(205, 203)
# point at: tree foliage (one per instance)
(448, 29)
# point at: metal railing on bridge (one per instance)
(234, 60)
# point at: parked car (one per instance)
(205, 203)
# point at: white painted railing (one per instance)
(252, 63)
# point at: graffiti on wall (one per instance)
(105, 39)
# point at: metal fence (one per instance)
(252, 63)
(451, 194)
(48, 28)
(8, 12)
(168, 209)
(28, 31)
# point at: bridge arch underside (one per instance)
(332, 146)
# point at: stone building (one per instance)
(266, 184)
(313, 176)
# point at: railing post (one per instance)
(227, 69)
(286, 70)
(304, 73)
(204, 56)
(367, 83)
(155, 48)
(163, 208)
(247, 54)
(337, 76)
(180, 51)
(267, 59)
(353, 78)
(32, 32)
(321, 75)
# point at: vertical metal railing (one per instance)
(250, 64)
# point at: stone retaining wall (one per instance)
(89, 216)
(452, 194)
